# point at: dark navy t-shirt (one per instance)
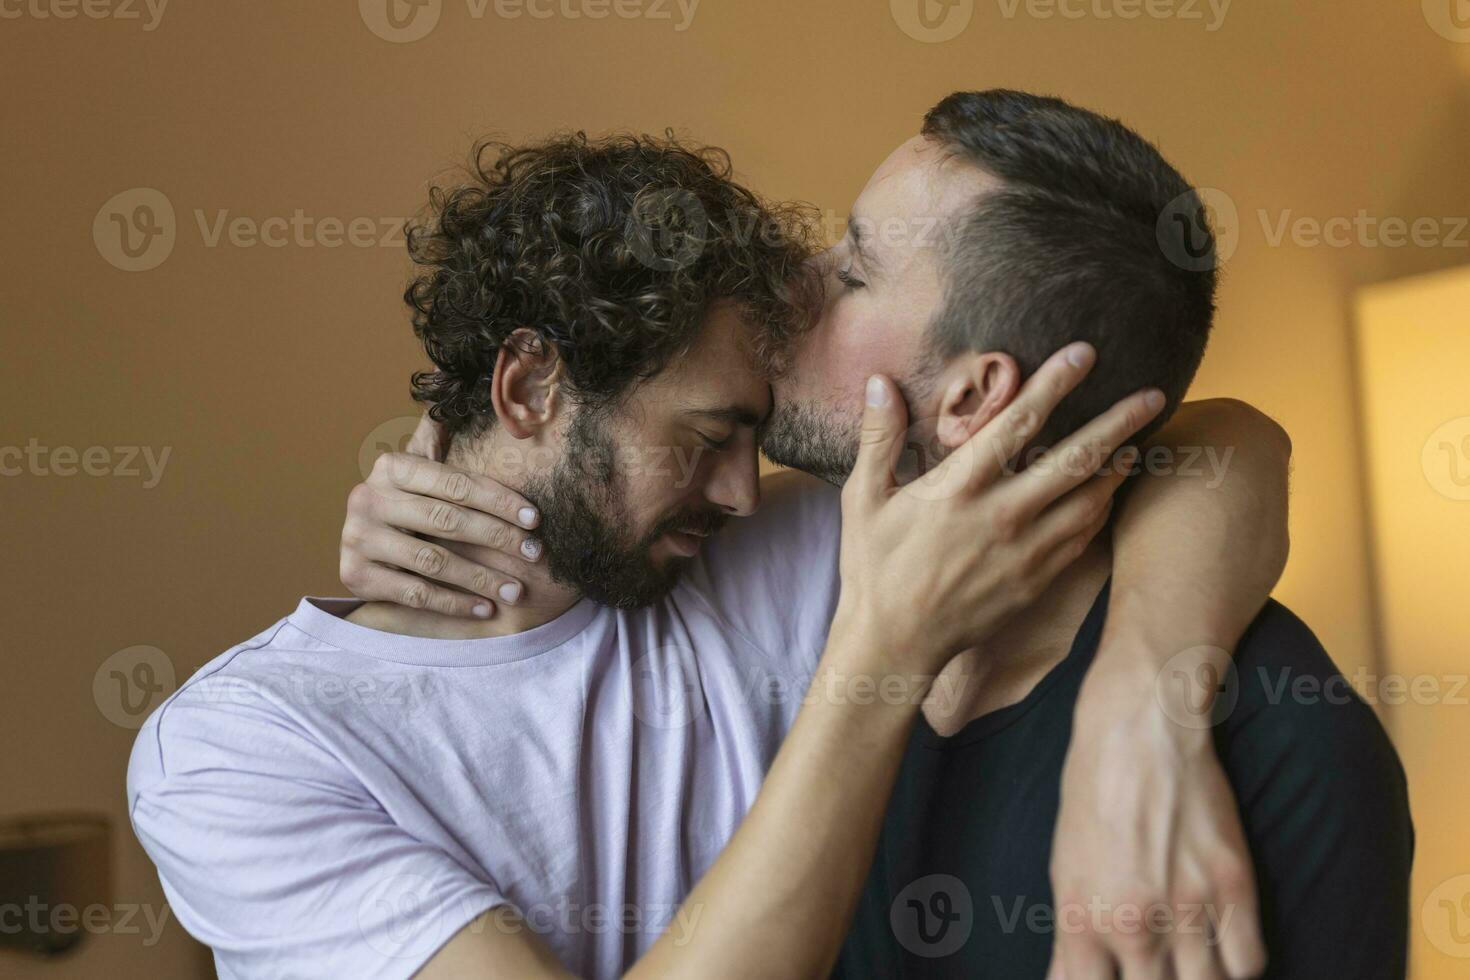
(960, 884)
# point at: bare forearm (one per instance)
(1201, 539)
(778, 901)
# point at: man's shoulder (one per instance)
(233, 707)
(1280, 665)
(1290, 713)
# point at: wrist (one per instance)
(867, 660)
(1137, 680)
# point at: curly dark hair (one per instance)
(613, 249)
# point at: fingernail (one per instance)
(1079, 355)
(531, 549)
(510, 591)
(527, 516)
(482, 610)
(1154, 399)
(877, 393)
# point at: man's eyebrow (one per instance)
(860, 244)
(734, 414)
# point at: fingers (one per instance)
(1085, 508)
(1194, 958)
(375, 583)
(429, 439)
(1083, 958)
(383, 545)
(1000, 439)
(414, 474)
(1242, 949)
(884, 419)
(449, 522)
(1077, 458)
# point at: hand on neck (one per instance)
(541, 598)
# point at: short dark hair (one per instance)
(1072, 247)
(613, 249)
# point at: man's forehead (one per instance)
(919, 181)
(718, 377)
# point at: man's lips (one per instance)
(686, 543)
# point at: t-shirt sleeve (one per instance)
(773, 577)
(1325, 805)
(274, 855)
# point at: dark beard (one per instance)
(799, 437)
(587, 527)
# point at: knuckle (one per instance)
(1136, 948)
(396, 468)
(444, 517)
(429, 560)
(416, 595)
(498, 536)
(1195, 895)
(1232, 878)
(349, 570)
(351, 534)
(361, 498)
(481, 581)
(1005, 522)
(1025, 423)
(457, 486)
(1084, 459)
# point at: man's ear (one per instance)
(525, 386)
(973, 389)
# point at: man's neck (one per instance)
(1016, 658)
(541, 599)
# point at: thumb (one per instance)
(884, 419)
(427, 440)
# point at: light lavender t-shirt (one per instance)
(327, 800)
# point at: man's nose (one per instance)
(735, 485)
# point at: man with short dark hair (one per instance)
(1067, 236)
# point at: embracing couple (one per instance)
(1006, 705)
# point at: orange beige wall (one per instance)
(265, 371)
(1414, 352)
